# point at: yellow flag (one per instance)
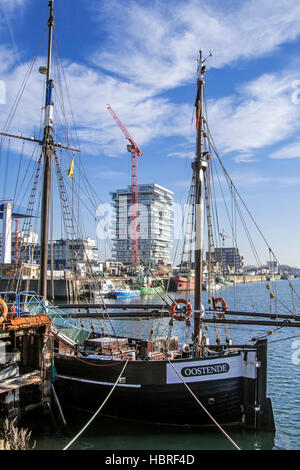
(71, 169)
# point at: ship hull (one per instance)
(182, 283)
(168, 404)
(151, 290)
(152, 392)
(126, 295)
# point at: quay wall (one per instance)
(245, 278)
(71, 288)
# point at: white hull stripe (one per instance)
(227, 367)
(77, 379)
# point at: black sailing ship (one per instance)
(160, 375)
(151, 389)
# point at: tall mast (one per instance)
(199, 167)
(48, 149)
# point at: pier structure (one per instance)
(26, 356)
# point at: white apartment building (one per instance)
(155, 224)
(66, 253)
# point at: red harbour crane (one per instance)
(135, 153)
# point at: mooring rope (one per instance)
(206, 411)
(99, 409)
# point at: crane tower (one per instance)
(135, 153)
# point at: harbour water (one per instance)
(283, 388)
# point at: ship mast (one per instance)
(199, 166)
(48, 150)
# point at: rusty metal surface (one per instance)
(25, 322)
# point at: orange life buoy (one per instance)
(4, 311)
(184, 315)
(224, 305)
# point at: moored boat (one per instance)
(160, 374)
(147, 286)
(126, 292)
(151, 290)
(229, 380)
(183, 283)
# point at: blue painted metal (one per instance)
(49, 92)
(18, 304)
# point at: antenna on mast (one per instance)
(201, 62)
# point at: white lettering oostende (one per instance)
(205, 370)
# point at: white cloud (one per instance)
(188, 155)
(146, 117)
(10, 5)
(244, 157)
(261, 114)
(9, 52)
(161, 41)
(155, 47)
(288, 151)
(156, 51)
(109, 174)
(246, 179)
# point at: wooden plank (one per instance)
(21, 381)
(114, 306)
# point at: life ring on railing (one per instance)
(183, 315)
(224, 305)
(3, 310)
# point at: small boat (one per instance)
(151, 290)
(107, 288)
(147, 286)
(211, 285)
(222, 280)
(126, 292)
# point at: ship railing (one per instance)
(26, 303)
(65, 327)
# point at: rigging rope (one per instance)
(204, 409)
(245, 206)
(98, 410)
(21, 90)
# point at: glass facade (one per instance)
(155, 224)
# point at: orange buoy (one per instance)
(224, 305)
(183, 315)
(4, 311)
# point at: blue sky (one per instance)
(141, 57)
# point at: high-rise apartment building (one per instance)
(229, 259)
(155, 225)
